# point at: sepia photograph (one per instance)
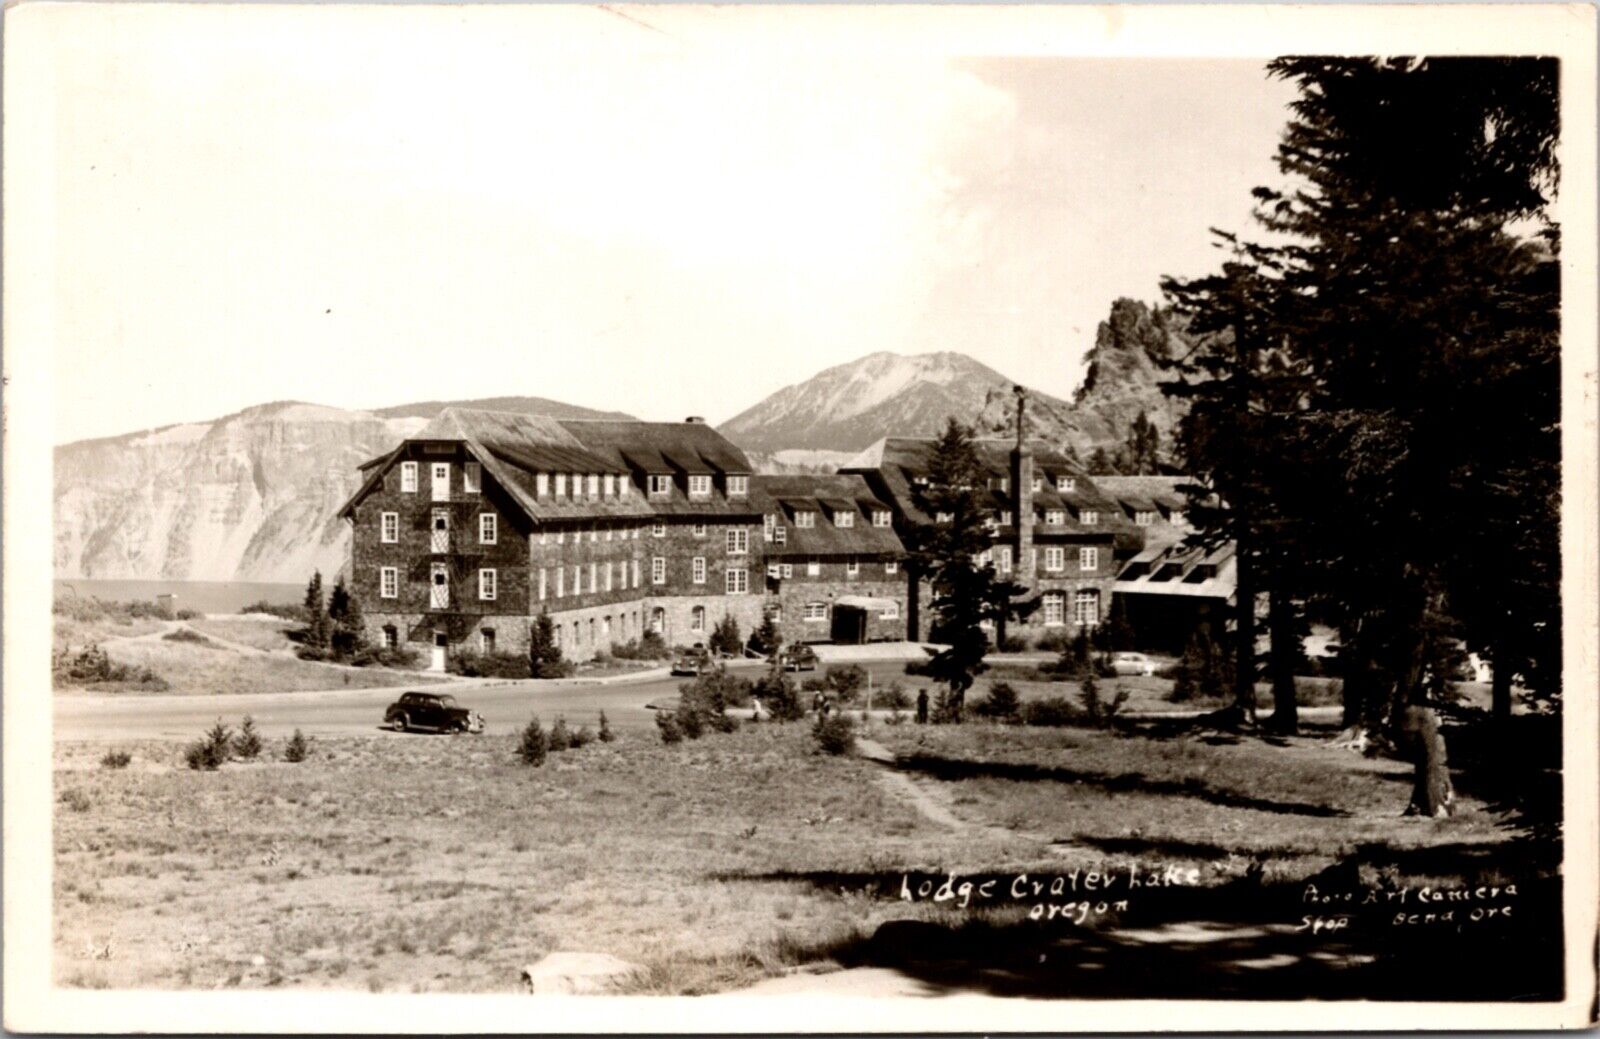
(993, 512)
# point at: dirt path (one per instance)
(930, 801)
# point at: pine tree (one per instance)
(317, 629)
(544, 655)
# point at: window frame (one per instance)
(387, 536)
(1088, 558)
(1089, 518)
(488, 584)
(844, 519)
(1058, 600)
(699, 485)
(408, 477)
(1055, 558)
(659, 485)
(697, 570)
(815, 612)
(472, 478)
(882, 518)
(388, 582)
(804, 519)
(738, 541)
(658, 569)
(738, 486)
(488, 528)
(736, 575)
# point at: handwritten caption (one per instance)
(1407, 906)
(1076, 896)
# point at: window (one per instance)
(1086, 608)
(853, 567)
(699, 530)
(813, 567)
(1144, 517)
(594, 577)
(636, 573)
(776, 613)
(1038, 484)
(1055, 608)
(738, 581)
(844, 519)
(1066, 484)
(892, 566)
(408, 477)
(391, 527)
(882, 518)
(622, 485)
(486, 640)
(1002, 556)
(610, 567)
(594, 534)
(1088, 559)
(769, 523)
(658, 570)
(577, 580)
(486, 584)
(1089, 518)
(541, 484)
(804, 518)
(391, 637)
(659, 530)
(738, 486)
(890, 612)
(738, 541)
(1055, 517)
(441, 481)
(608, 533)
(472, 478)
(1054, 557)
(605, 626)
(1177, 516)
(609, 487)
(389, 582)
(781, 535)
(561, 485)
(1005, 517)
(542, 578)
(561, 582)
(594, 485)
(561, 537)
(697, 619)
(488, 529)
(788, 570)
(816, 611)
(622, 577)
(699, 486)
(697, 570)
(660, 486)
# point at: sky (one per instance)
(595, 211)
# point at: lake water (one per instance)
(205, 596)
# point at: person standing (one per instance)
(922, 707)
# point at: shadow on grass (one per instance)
(945, 768)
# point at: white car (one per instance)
(1132, 664)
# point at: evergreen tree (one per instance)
(544, 654)
(766, 638)
(317, 628)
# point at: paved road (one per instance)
(505, 706)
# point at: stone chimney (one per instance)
(1022, 492)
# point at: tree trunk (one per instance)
(1244, 645)
(1285, 652)
(1500, 684)
(1431, 792)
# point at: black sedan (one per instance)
(436, 711)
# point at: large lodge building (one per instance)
(470, 529)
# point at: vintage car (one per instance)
(694, 660)
(1132, 664)
(797, 657)
(437, 711)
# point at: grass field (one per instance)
(77, 632)
(268, 634)
(400, 863)
(193, 667)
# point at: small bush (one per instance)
(834, 734)
(288, 611)
(385, 656)
(691, 722)
(606, 734)
(91, 666)
(845, 681)
(247, 743)
(116, 759)
(649, 646)
(893, 696)
(188, 614)
(778, 695)
(560, 736)
(532, 747)
(76, 800)
(1049, 711)
(313, 653)
(1013, 644)
(488, 665)
(1002, 702)
(297, 748)
(1097, 710)
(667, 723)
(582, 737)
(1055, 640)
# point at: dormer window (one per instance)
(738, 486)
(699, 486)
(541, 485)
(660, 485)
(1038, 484)
(1004, 517)
(769, 523)
(882, 518)
(561, 485)
(1089, 518)
(594, 485)
(1066, 484)
(1177, 516)
(844, 519)
(1055, 517)
(780, 535)
(804, 518)
(472, 478)
(622, 485)
(609, 485)
(1144, 517)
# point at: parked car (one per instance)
(797, 657)
(437, 711)
(1132, 664)
(694, 660)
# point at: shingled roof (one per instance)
(1146, 491)
(690, 448)
(825, 495)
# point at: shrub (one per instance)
(560, 736)
(297, 748)
(532, 747)
(765, 640)
(691, 722)
(115, 759)
(834, 734)
(1049, 711)
(725, 637)
(288, 611)
(488, 665)
(892, 696)
(845, 681)
(1001, 703)
(944, 709)
(667, 723)
(1203, 672)
(606, 735)
(91, 666)
(704, 702)
(544, 653)
(1054, 640)
(649, 646)
(187, 614)
(247, 744)
(583, 737)
(76, 800)
(1012, 644)
(385, 656)
(312, 653)
(778, 695)
(1097, 710)
(186, 635)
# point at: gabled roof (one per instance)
(1146, 491)
(691, 448)
(827, 494)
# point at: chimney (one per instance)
(696, 420)
(1022, 491)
